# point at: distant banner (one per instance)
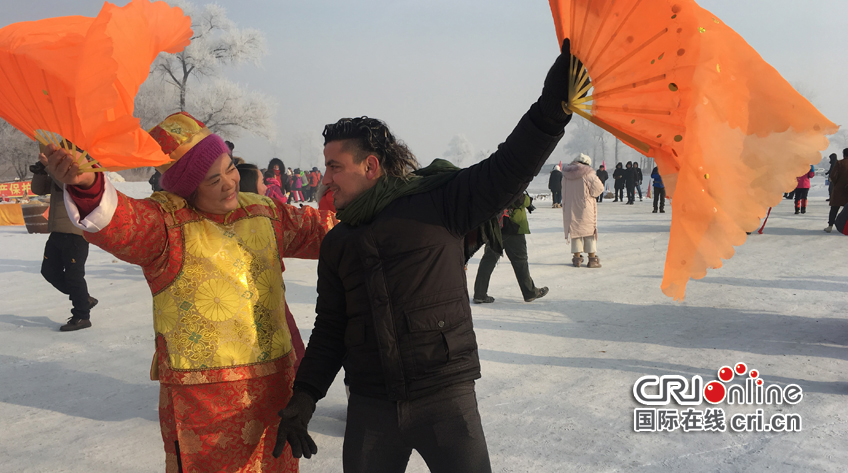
(16, 189)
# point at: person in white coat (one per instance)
(580, 189)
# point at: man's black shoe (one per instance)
(92, 302)
(484, 300)
(540, 292)
(75, 324)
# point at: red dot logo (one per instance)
(714, 392)
(759, 382)
(754, 374)
(741, 368)
(725, 373)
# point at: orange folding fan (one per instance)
(75, 78)
(728, 133)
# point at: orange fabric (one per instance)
(728, 133)
(11, 214)
(78, 77)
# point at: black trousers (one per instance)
(515, 247)
(831, 219)
(557, 196)
(619, 194)
(601, 197)
(801, 198)
(631, 194)
(659, 197)
(64, 268)
(444, 428)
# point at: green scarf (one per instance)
(367, 206)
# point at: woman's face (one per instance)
(276, 167)
(260, 184)
(218, 192)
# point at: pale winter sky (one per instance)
(436, 68)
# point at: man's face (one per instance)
(346, 178)
(218, 192)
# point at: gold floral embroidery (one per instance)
(197, 341)
(171, 464)
(233, 354)
(195, 378)
(217, 300)
(246, 400)
(225, 306)
(233, 376)
(190, 442)
(223, 440)
(252, 432)
(270, 286)
(255, 238)
(205, 242)
(165, 313)
(255, 466)
(281, 343)
(164, 398)
(180, 407)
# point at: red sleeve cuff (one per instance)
(88, 199)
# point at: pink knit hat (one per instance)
(184, 176)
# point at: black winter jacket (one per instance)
(603, 175)
(555, 181)
(629, 177)
(618, 175)
(392, 294)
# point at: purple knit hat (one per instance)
(185, 175)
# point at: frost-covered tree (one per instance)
(193, 80)
(460, 151)
(589, 139)
(308, 147)
(17, 151)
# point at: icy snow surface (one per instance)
(558, 373)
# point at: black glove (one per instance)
(295, 418)
(38, 168)
(555, 91)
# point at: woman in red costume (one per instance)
(213, 259)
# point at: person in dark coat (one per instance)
(659, 190)
(603, 175)
(637, 171)
(839, 189)
(833, 161)
(154, 181)
(555, 185)
(393, 305)
(618, 177)
(66, 250)
(630, 182)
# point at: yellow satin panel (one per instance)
(226, 308)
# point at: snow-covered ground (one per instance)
(558, 373)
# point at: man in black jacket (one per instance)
(555, 185)
(393, 305)
(630, 182)
(618, 177)
(637, 174)
(603, 175)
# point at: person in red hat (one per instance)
(213, 259)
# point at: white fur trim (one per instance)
(100, 217)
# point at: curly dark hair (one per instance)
(368, 136)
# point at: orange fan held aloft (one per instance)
(728, 133)
(75, 79)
